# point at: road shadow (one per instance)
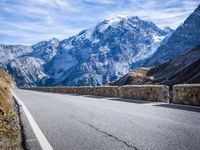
(184, 107)
(89, 96)
(70, 94)
(93, 96)
(130, 100)
(111, 98)
(119, 99)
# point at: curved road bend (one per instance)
(80, 122)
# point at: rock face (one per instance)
(10, 52)
(95, 56)
(182, 69)
(27, 68)
(183, 39)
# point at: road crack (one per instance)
(105, 133)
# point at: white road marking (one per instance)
(38, 133)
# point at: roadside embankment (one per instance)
(10, 132)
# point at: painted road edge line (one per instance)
(37, 131)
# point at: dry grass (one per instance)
(6, 82)
(9, 121)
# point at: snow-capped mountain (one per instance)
(183, 39)
(95, 56)
(104, 53)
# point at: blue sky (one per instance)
(31, 21)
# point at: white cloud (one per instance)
(166, 16)
(101, 1)
(35, 20)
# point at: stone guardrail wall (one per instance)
(188, 94)
(158, 93)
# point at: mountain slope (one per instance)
(10, 52)
(184, 68)
(28, 69)
(183, 39)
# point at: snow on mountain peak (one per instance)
(115, 20)
(54, 41)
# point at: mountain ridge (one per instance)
(183, 39)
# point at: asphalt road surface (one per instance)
(81, 122)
